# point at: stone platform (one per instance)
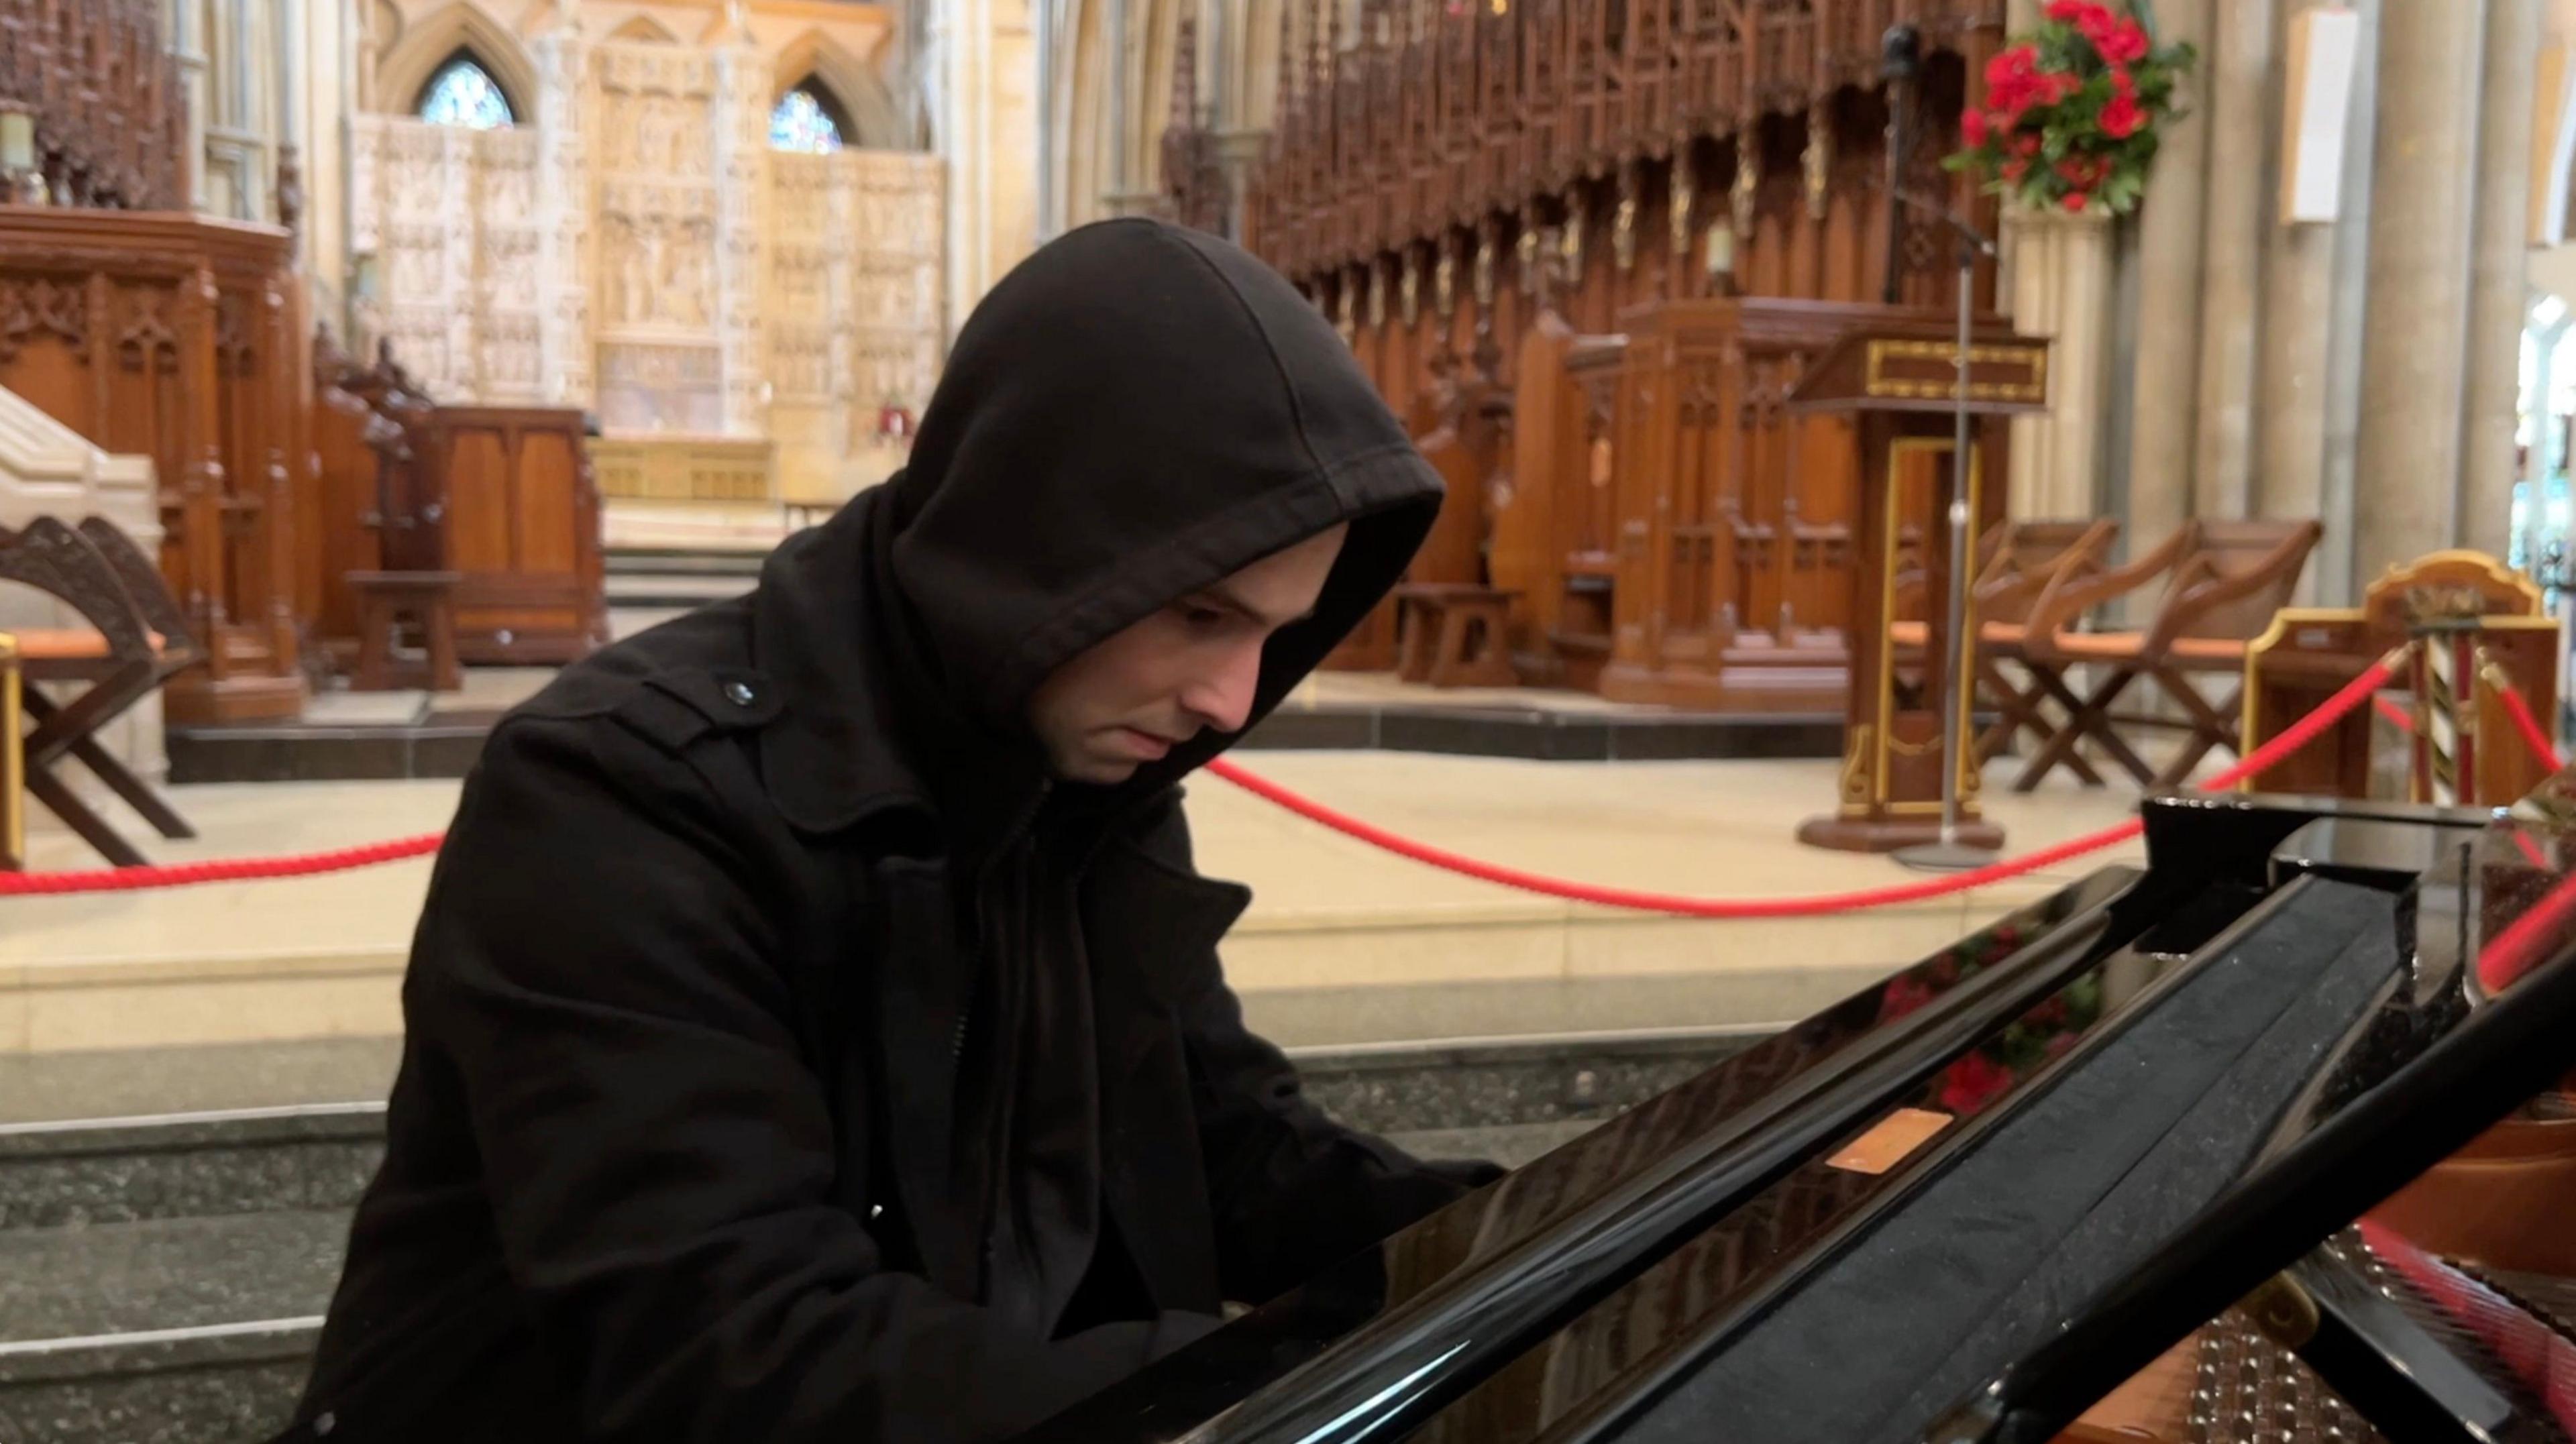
(351, 736)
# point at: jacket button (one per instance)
(324, 1424)
(739, 693)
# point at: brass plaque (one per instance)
(1929, 371)
(1891, 1142)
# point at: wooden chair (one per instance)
(1454, 634)
(386, 600)
(131, 646)
(2223, 581)
(2020, 563)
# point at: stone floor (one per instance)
(1344, 943)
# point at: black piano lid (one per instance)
(1388, 1339)
(2389, 1108)
(1446, 1302)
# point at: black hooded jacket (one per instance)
(785, 1061)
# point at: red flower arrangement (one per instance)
(2071, 112)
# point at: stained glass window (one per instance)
(801, 122)
(464, 93)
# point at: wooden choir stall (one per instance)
(1589, 249)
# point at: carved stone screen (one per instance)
(634, 245)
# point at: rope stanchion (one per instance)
(2291, 739)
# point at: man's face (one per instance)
(1192, 665)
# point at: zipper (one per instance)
(991, 948)
(1019, 828)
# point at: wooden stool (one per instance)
(385, 599)
(1454, 634)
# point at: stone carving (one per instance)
(633, 245)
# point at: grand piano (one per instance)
(2174, 1155)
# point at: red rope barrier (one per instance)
(187, 874)
(2394, 715)
(2296, 736)
(2533, 735)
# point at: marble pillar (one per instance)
(2061, 289)
(2165, 401)
(2242, 101)
(2498, 278)
(2416, 338)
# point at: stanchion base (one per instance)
(1943, 857)
(1870, 834)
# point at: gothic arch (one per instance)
(876, 121)
(646, 30)
(436, 39)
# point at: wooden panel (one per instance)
(522, 525)
(481, 486)
(549, 474)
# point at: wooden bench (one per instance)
(386, 600)
(1454, 634)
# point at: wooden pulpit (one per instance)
(1897, 382)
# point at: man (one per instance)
(815, 1030)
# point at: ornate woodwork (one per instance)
(107, 97)
(180, 338)
(1706, 179)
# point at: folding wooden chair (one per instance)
(131, 646)
(2020, 563)
(2223, 581)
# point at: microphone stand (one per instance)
(1949, 854)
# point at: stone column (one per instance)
(566, 349)
(2242, 101)
(2061, 289)
(961, 35)
(2416, 339)
(2166, 400)
(2497, 276)
(2312, 297)
(1012, 85)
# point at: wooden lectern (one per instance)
(1897, 382)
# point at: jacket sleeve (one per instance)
(1293, 1192)
(595, 960)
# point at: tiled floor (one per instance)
(1344, 942)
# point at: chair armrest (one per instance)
(2067, 597)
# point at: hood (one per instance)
(1133, 413)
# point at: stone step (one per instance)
(305, 1156)
(163, 1330)
(672, 589)
(679, 561)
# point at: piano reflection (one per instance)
(2266, 1141)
